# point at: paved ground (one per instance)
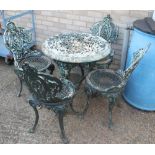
(16, 117)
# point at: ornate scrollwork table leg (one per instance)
(64, 68)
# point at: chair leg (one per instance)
(32, 130)
(21, 87)
(112, 101)
(108, 65)
(61, 124)
(82, 70)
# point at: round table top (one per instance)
(76, 47)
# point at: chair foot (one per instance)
(31, 130)
(64, 139)
(19, 94)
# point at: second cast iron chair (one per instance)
(108, 31)
(19, 40)
(108, 83)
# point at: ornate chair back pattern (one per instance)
(50, 92)
(106, 29)
(138, 55)
(126, 74)
(17, 40)
(43, 87)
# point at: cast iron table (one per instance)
(69, 50)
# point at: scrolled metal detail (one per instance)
(106, 29)
(49, 92)
(18, 40)
(108, 83)
(41, 85)
(109, 31)
(137, 56)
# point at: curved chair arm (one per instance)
(124, 75)
(138, 55)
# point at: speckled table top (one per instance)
(76, 47)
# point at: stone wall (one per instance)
(51, 22)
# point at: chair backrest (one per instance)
(106, 29)
(43, 87)
(137, 56)
(17, 40)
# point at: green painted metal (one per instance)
(18, 41)
(69, 50)
(108, 31)
(109, 83)
(4, 51)
(50, 92)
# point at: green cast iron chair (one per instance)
(108, 83)
(49, 92)
(109, 31)
(18, 40)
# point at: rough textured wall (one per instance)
(51, 22)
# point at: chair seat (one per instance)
(67, 91)
(41, 63)
(102, 79)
